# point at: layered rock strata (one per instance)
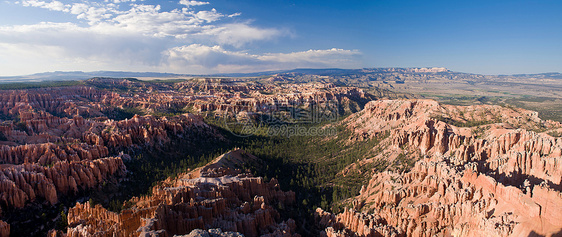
(214, 196)
(44, 157)
(468, 181)
(51, 169)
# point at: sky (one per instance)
(224, 36)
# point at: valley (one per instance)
(367, 152)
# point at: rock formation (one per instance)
(4, 229)
(56, 141)
(488, 179)
(81, 159)
(475, 170)
(214, 196)
(211, 233)
(353, 223)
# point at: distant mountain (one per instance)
(79, 75)
(548, 75)
(341, 72)
(334, 72)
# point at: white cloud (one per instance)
(217, 59)
(189, 3)
(330, 57)
(239, 34)
(235, 14)
(121, 1)
(209, 16)
(208, 57)
(146, 37)
(92, 14)
(53, 5)
(150, 20)
(79, 8)
(74, 42)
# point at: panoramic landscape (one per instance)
(280, 118)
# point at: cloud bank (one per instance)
(130, 35)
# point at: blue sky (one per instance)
(188, 36)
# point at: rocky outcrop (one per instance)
(211, 233)
(487, 179)
(52, 100)
(22, 183)
(214, 196)
(353, 223)
(383, 115)
(65, 155)
(221, 95)
(50, 153)
(4, 229)
(58, 141)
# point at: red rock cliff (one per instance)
(488, 179)
(214, 196)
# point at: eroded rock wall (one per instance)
(488, 179)
(227, 199)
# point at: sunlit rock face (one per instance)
(81, 159)
(213, 196)
(483, 180)
(57, 142)
(477, 170)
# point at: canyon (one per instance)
(502, 180)
(216, 195)
(424, 168)
(64, 141)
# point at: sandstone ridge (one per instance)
(214, 196)
(486, 179)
